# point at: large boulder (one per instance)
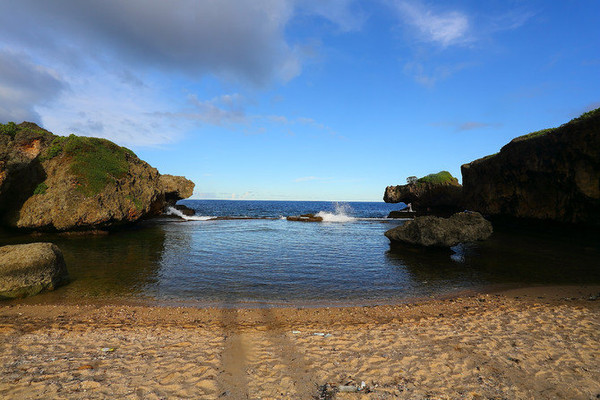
(28, 269)
(433, 231)
(54, 183)
(551, 175)
(433, 194)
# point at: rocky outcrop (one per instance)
(28, 269)
(54, 183)
(176, 188)
(433, 231)
(547, 175)
(434, 194)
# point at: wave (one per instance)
(341, 214)
(177, 213)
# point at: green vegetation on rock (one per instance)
(533, 134)
(586, 115)
(41, 188)
(136, 202)
(582, 117)
(95, 162)
(9, 129)
(439, 178)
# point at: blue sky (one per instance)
(299, 99)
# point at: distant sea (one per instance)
(261, 259)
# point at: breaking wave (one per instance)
(341, 214)
(176, 212)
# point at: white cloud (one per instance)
(444, 28)
(93, 67)
(23, 85)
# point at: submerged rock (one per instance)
(55, 183)
(433, 194)
(433, 231)
(28, 269)
(551, 175)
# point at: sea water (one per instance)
(245, 253)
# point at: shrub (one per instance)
(439, 178)
(9, 129)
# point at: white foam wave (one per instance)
(176, 212)
(341, 214)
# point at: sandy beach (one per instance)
(541, 343)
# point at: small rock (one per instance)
(88, 385)
(347, 389)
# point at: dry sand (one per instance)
(512, 345)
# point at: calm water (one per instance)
(274, 261)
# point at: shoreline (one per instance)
(536, 342)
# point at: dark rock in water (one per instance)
(433, 194)
(305, 218)
(54, 183)
(551, 175)
(442, 232)
(28, 269)
(185, 210)
(402, 214)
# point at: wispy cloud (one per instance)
(444, 28)
(467, 125)
(429, 77)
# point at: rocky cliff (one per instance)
(552, 174)
(55, 183)
(436, 193)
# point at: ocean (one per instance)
(252, 256)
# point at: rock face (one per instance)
(433, 231)
(435, 196)
(548, 175)
(28, 269)
(54, 183)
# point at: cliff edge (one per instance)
(552, 175)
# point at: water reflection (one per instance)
(102, 267)
(513, 255)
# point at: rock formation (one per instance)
(552, 174)
(176, 188)
(435, 194)
(433, 231)
(54, 183)
(28, 269)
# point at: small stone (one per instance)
(88, 385)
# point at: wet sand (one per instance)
(535, 343)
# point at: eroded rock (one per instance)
(28, 269)
(433, 231)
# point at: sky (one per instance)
(300, 99)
